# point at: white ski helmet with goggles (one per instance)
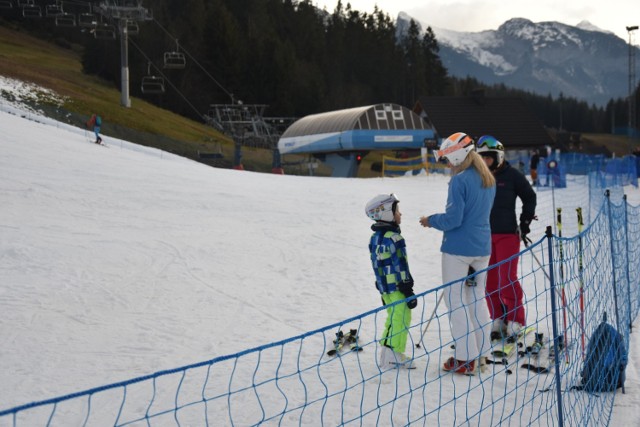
(490, 146)
(382, 207)
(455, 148)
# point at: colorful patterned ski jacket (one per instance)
(388, 257)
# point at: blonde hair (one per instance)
(474, 159)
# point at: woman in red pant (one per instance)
(504, 293)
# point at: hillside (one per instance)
(26, 58)
(59, 68)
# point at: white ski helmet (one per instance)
(381, 207)
(455, 148)
(488, 145)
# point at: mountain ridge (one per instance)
(546, 58)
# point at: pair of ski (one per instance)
(504, 349)
(542, 365)
(343, 340)
(101, 143)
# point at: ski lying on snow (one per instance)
(349, 339)
(543, 365)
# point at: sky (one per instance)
(474, 16)
(119, 261)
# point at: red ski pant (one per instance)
(504, 293)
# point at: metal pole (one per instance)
(626, 234)
(632, 85)
(554, 323)
(125, 101)
(424, 331)
(613, 258)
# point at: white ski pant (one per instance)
(468, 313)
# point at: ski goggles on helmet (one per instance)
(490, 143)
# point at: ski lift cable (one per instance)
(166, 79)
(194, 60)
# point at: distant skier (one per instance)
(533, 166)
(95, 122)
(393, 279)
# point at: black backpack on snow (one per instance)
(605, 361)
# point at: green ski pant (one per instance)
(396, 328)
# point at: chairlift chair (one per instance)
(152, 84)
(66, 20)
(25, 3)
(87, 20)
(175, 60)
(104, 32)
(53, 10)
(132, 28)
(31, 11)
(6, 4)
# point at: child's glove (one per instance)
(413, 303)
(406, 288)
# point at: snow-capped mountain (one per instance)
(584, 61)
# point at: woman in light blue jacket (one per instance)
(466, 243)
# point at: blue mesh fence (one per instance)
(569, 283)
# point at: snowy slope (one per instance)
(123, 261)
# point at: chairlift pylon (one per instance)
(176, 59)
(152, 84)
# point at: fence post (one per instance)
(626, 239)
(554, 323)
(607, 194)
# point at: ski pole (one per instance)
(580, 276)
(526, 241)
(562, 284)
(424, 331)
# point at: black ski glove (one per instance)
(406, 288)
(524, 228)
(525, 223)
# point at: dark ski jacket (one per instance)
(511, 184)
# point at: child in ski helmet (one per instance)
(466, 244)
(393, 279)
(504, 292)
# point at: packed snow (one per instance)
(121, 261)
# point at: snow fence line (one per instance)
(570, 283)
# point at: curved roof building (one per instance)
(373, 127)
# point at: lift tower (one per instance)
(126, 14)
(632, 83)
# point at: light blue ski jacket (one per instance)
(465, 223)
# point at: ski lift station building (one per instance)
(340, 138)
